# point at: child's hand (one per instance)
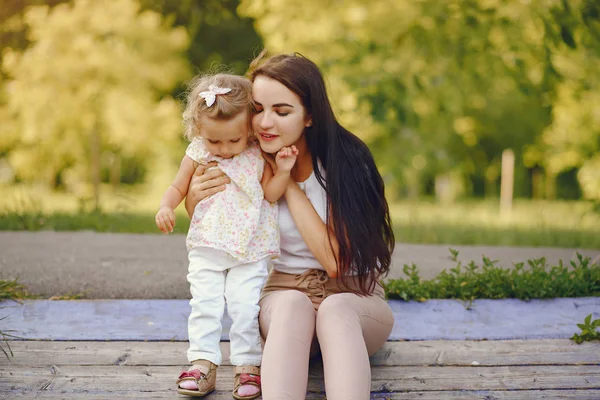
(286, 158)
(165, 219)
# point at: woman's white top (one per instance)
(295, 257)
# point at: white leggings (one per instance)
(214, 277)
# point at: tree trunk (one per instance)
(507, 179)
(550, 186)
(537, 184)
(115, 171)
(95, 166)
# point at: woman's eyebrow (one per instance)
(274, 105)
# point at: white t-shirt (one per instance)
(295, 257)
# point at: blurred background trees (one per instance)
(90, 91)
(449, 85)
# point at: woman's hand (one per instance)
(205, 182)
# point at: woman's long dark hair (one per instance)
(354, 187)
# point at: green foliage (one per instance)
(91, 88)
(429, 232)
(218, 35)
(6, 334)
(12, 290)
(531, 223)
(15, 291)
(589, 330)
(95, 221)
(449, 85)
(131, 209)
(489, 281)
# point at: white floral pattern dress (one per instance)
(238, 220)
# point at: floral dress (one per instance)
(238, 220)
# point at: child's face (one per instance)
(226, 139)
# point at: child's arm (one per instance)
(165, 218)
(275, 184)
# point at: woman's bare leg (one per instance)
(350, 328)
(287, 322)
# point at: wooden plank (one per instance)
(488, 353)
(436, 352)
(384, 379)
(532, 369)
(430, 395)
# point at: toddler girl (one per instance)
(232, 235)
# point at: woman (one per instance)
(336, 238)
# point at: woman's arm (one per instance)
(204, 183)
(313, 230)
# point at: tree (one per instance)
(439, 86)
(94, 80)
(218, 34)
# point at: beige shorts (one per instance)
(315, 283)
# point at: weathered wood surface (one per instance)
(512, 369)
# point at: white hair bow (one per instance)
(211, 95)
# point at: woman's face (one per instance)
(280, 117)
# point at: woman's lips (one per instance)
(267, 137)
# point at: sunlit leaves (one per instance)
(92, 69)
(454, 81)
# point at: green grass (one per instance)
(572, 224)
(12, 290)
(468, 282)
(15, 291)
(478, 222)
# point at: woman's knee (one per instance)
(341, 304)
(292, 302)
(287, 311)
(336, 312)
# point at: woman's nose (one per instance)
(264, 120)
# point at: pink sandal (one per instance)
(205, 383)
(247, 375)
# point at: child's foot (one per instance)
(198, 380)
(189, 385)
(246, 383)
(248, 390)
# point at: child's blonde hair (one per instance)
(225, 107)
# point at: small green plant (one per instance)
(12, 290)
(454, 254)
(5, 336)
(15, 291)
(588, 330)
(68, 296)
(469, 282)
